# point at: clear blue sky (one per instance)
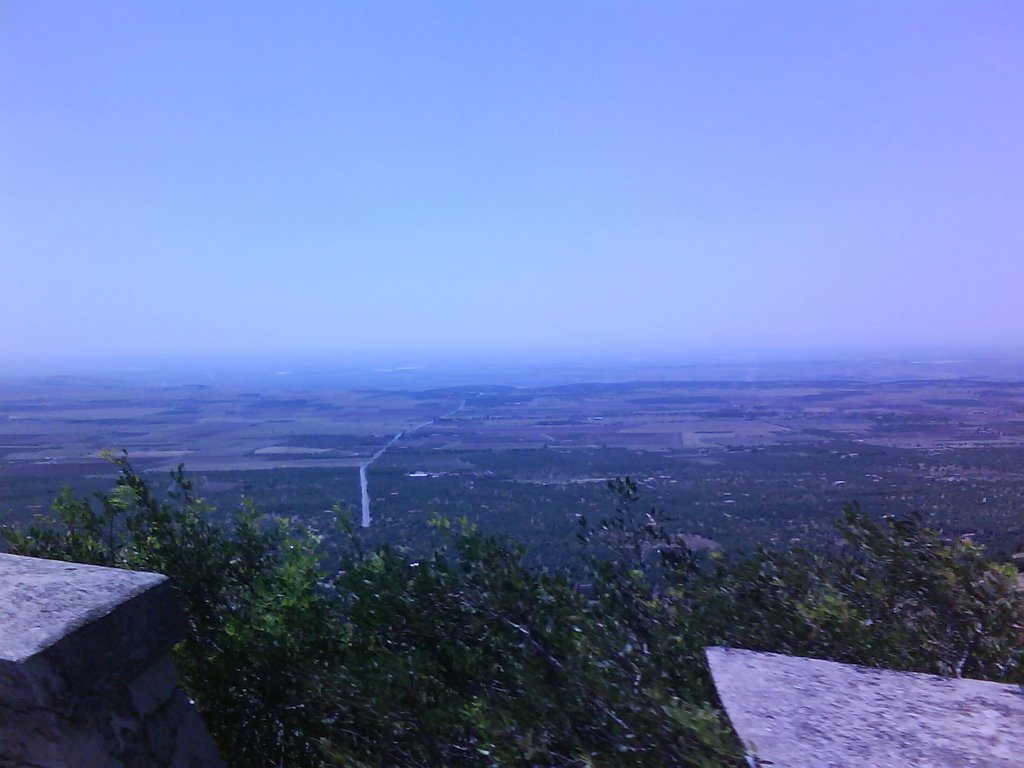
(553, 177)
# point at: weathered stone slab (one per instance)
(44, 601)
(807, 713)
(85, 673)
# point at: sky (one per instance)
(246, 179)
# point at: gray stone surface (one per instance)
(807, 713)
(86, 678)
(42, 601)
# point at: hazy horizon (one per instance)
(422, 372)
(407, 181)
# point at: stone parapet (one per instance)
(791, 711)
(86, 677)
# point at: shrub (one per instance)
(471, 657)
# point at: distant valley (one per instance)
(734, 464)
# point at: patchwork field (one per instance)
(737, 463)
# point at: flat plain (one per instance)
(733, 463)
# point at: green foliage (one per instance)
(259, 624)
(895, 595)
(467, 657)
(472, 656)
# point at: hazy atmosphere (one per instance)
(664, 178)
(548, 383)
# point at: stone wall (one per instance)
(86, 678)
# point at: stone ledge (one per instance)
(43, 601)
(85, 673)
(807, 713)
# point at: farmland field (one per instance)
(735, 463)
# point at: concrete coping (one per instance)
(42, 601)
(83, 622)
(794, 712)
(86, 677)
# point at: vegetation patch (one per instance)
(306, 651)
